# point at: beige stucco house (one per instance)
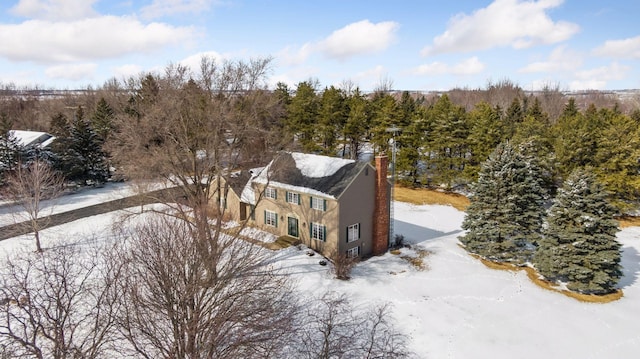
(332, 205)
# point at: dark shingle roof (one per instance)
(283, 169)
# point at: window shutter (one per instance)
(324, 233)
(347, 239)
(310, 230)
(265, 216)
(310, 202)
(276, 220)
(275, 193)
(286, 196)
(298, 199)
(324, 204)
(358, 230)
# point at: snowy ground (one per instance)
(83, 198)
(457, 308)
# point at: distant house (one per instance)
(33, 138)
(333, 205)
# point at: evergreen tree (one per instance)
(385, 115)
(10, 148)
(78, 154)
(408, 108)
(411, 141)
(332, 118)
(504, 219)
(617, 158)
(486, 132)
(102, 119)
(303, 115)
(579, 246)
(575, 140)
(60, 126)
(513, 118)
(448, 143)
(357, 123)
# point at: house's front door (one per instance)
(292, 227)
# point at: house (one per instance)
(333, 205)
(33, 138)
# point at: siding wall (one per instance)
(357, 206)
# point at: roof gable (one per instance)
(311, 173)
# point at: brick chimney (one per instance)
(381, 210)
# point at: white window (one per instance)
(319, 203)
(271, 218)
(353, 252)
(318, 232)
(293, 198)
(271, 192)
(353, 232)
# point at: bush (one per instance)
(342, 266)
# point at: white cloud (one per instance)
(515, 23)
(88, 39)
(596, 79)
(358, 38)
(290, 56)
(470, 66)
(54, 9)
(127, 70)
(621, 49)
(73, 72)
(362, 37)
(159, 8)
(560, 59)
(193, 61)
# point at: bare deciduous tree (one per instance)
(29, 186)
(342, 265)
(191, 129)
(56, 304)
(334, 329)
(185, 298)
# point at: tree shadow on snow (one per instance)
(630, 267)
(415, 234)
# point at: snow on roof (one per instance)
(316, 166)
(305, 190)
(27, 138)
(248, 194)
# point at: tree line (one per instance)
(441, 139)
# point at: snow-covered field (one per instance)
(457, 308)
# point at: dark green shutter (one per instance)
(276, 220)
(298, 199)
(310, 202)
(347, 239)
(265, 216)
(324, 233)
(324, 204)
(358, 232)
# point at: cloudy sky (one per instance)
(413, 44)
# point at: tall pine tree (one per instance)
(504, 219)
(78, 153)
(10, 148)
(579, 246)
